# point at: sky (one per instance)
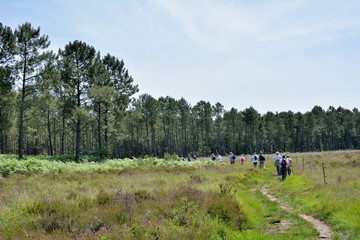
(274, 55)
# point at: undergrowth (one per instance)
(46, 198)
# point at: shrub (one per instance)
(195, 179)
(189, 193)
(127, 202)
(141, 195)
(50, 215)
(172, 157)
(104, 198)
(226, 209)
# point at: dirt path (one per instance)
(323, 229)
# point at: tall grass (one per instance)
(168, 199)
(336, 199)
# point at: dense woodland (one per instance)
(78, 102)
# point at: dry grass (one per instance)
(213, 201)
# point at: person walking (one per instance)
(289, 162)
(283, 167)
(242, 160)
(232, 158)
(255, 159)
(262, 161)
(277, 158)
(220, 158)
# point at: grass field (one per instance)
(43, 198)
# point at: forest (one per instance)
(78, 102)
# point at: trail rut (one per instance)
(323, 229)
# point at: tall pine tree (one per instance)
(30, 58)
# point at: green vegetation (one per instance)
(168, 199)
(9, 164)
(78, 102)
(338, 203)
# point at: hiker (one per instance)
(232, 158)
(289, 162)
(255, 159)
(262, 160)
(242, 159)
(220, 158)
(213, 157)
(283, 167)
(277, 158)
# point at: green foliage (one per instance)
(337, 202)
(172, 157)
(165, 199)
(9, 164)
(228, 211)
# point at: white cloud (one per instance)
(195, 48)
(223, 27)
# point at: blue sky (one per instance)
(275, 55)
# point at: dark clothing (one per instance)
(262, 164)
(262, 161)
(232, 158)
(283, 169)
(255, 164)
(278, 170)
(283, 173)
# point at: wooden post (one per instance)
(303, 165)
(323, 167)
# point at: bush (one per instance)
(226, 209)
(171, 157)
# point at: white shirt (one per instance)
(277, 157)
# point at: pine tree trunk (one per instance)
(78, 140)
(78, 126)
(54, 140)
(22, 112)
(99, 129)
(49, 133)
(21, 132)
(62, 134)
(106, 134)
(2, 144)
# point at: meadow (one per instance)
(150, 198)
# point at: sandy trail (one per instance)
(323, 229)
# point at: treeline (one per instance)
(70, 102)
(78, 102)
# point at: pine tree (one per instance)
(30, 58)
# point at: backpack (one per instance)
(283, 163)
(255, 158)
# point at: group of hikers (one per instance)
(282, 163)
